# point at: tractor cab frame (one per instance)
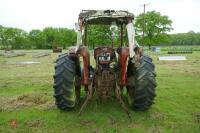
(121, 19)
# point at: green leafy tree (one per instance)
(64, 37)
(49, 33)
(13, 38)
(59, 37)
(101, 35)
(3, 37)
(156, 27)
(70, 37)
(37, 39)
(7, 35)
(20, 39)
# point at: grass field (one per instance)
(27, 103)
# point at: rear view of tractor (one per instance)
(115, 69)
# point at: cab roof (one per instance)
(105, 17)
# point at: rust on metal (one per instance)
(123, 56)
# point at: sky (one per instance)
(38, 14)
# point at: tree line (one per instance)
(190, 38)
(47, 38)
(155, 25)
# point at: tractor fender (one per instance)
(83, 51)
(123, 56)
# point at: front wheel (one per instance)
(141, 84)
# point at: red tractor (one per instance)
(116, 68)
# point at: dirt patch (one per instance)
(158, 116)
(192, 71)
(156, 129)
(48, 105)
(27, 100)
(96, 131)
(112, 120)
(34, 123)
(186, 67)
(134, 125)
(86, 122)
(173, 63)
(33, 98)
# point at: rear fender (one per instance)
(123, 56)
(83, 51)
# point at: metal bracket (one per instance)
(119, 98)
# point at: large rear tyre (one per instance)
(141, 84)
(66, 88)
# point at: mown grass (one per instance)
(26, 96)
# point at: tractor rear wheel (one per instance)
(141, 84)
(66, 89)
